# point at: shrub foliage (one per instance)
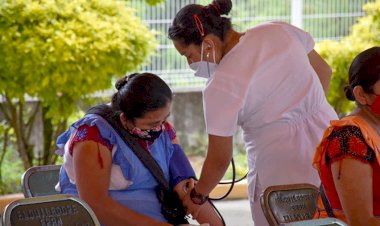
(57, 52)
(339, 54)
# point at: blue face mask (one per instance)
(204, 69)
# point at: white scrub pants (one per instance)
(257, 214)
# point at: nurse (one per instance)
(268, 80)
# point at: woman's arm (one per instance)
(354, 186)
(218, 158)
(92, 165)
(207, 213)
(322, 69)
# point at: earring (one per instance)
(208, 54)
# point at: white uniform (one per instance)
(266, 85)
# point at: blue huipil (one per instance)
(132, 185)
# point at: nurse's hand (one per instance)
(190, 206)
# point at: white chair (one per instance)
(40, 180)
(317, 222)
(59, 210)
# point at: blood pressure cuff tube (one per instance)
(179, 167)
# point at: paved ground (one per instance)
(235, 212)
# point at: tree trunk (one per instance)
(4, 150)
(22, 118)
(13, 112)
(50, 134)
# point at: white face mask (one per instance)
(204, 69)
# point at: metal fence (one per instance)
(323, 19)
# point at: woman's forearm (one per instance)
(111, 213)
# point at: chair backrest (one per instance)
(40, 180)
(289, 203)
(57, 210)
(317, 222)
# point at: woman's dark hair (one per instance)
(364, 71)
(140, 93)
(211, 21)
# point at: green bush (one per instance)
(339, 54)
(241, 167)
(11, 171)
(59, 53)
(197, 153)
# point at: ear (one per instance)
(208, 43)
(123, 120)
(360, 95)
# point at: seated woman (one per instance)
(348, 157)
(103, 170)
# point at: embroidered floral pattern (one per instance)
(85, 133)
(348, 141)
(170, 130)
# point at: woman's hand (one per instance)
(184, 186)
(207, 215)
(183, 189)
(190, 206)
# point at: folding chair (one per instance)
(57, 210)
(40, 180)
(289, 203)
(317, 222)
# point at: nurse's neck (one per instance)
(232, 38)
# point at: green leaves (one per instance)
(364, 34)
(154, 2)
(60, 51)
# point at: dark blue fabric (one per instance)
(179, 166)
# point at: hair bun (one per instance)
(121, 82)
(124, 80)
(348, 92)
(224, 6)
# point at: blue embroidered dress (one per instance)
(131, 183)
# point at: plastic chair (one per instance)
(289, 203)
(40, 180)
(317, 222)
(58, 210)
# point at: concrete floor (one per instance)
(235, 212)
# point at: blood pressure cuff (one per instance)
(179, 167)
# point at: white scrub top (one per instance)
(266, 85)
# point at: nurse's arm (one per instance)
(322, 69)
(218, 157)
